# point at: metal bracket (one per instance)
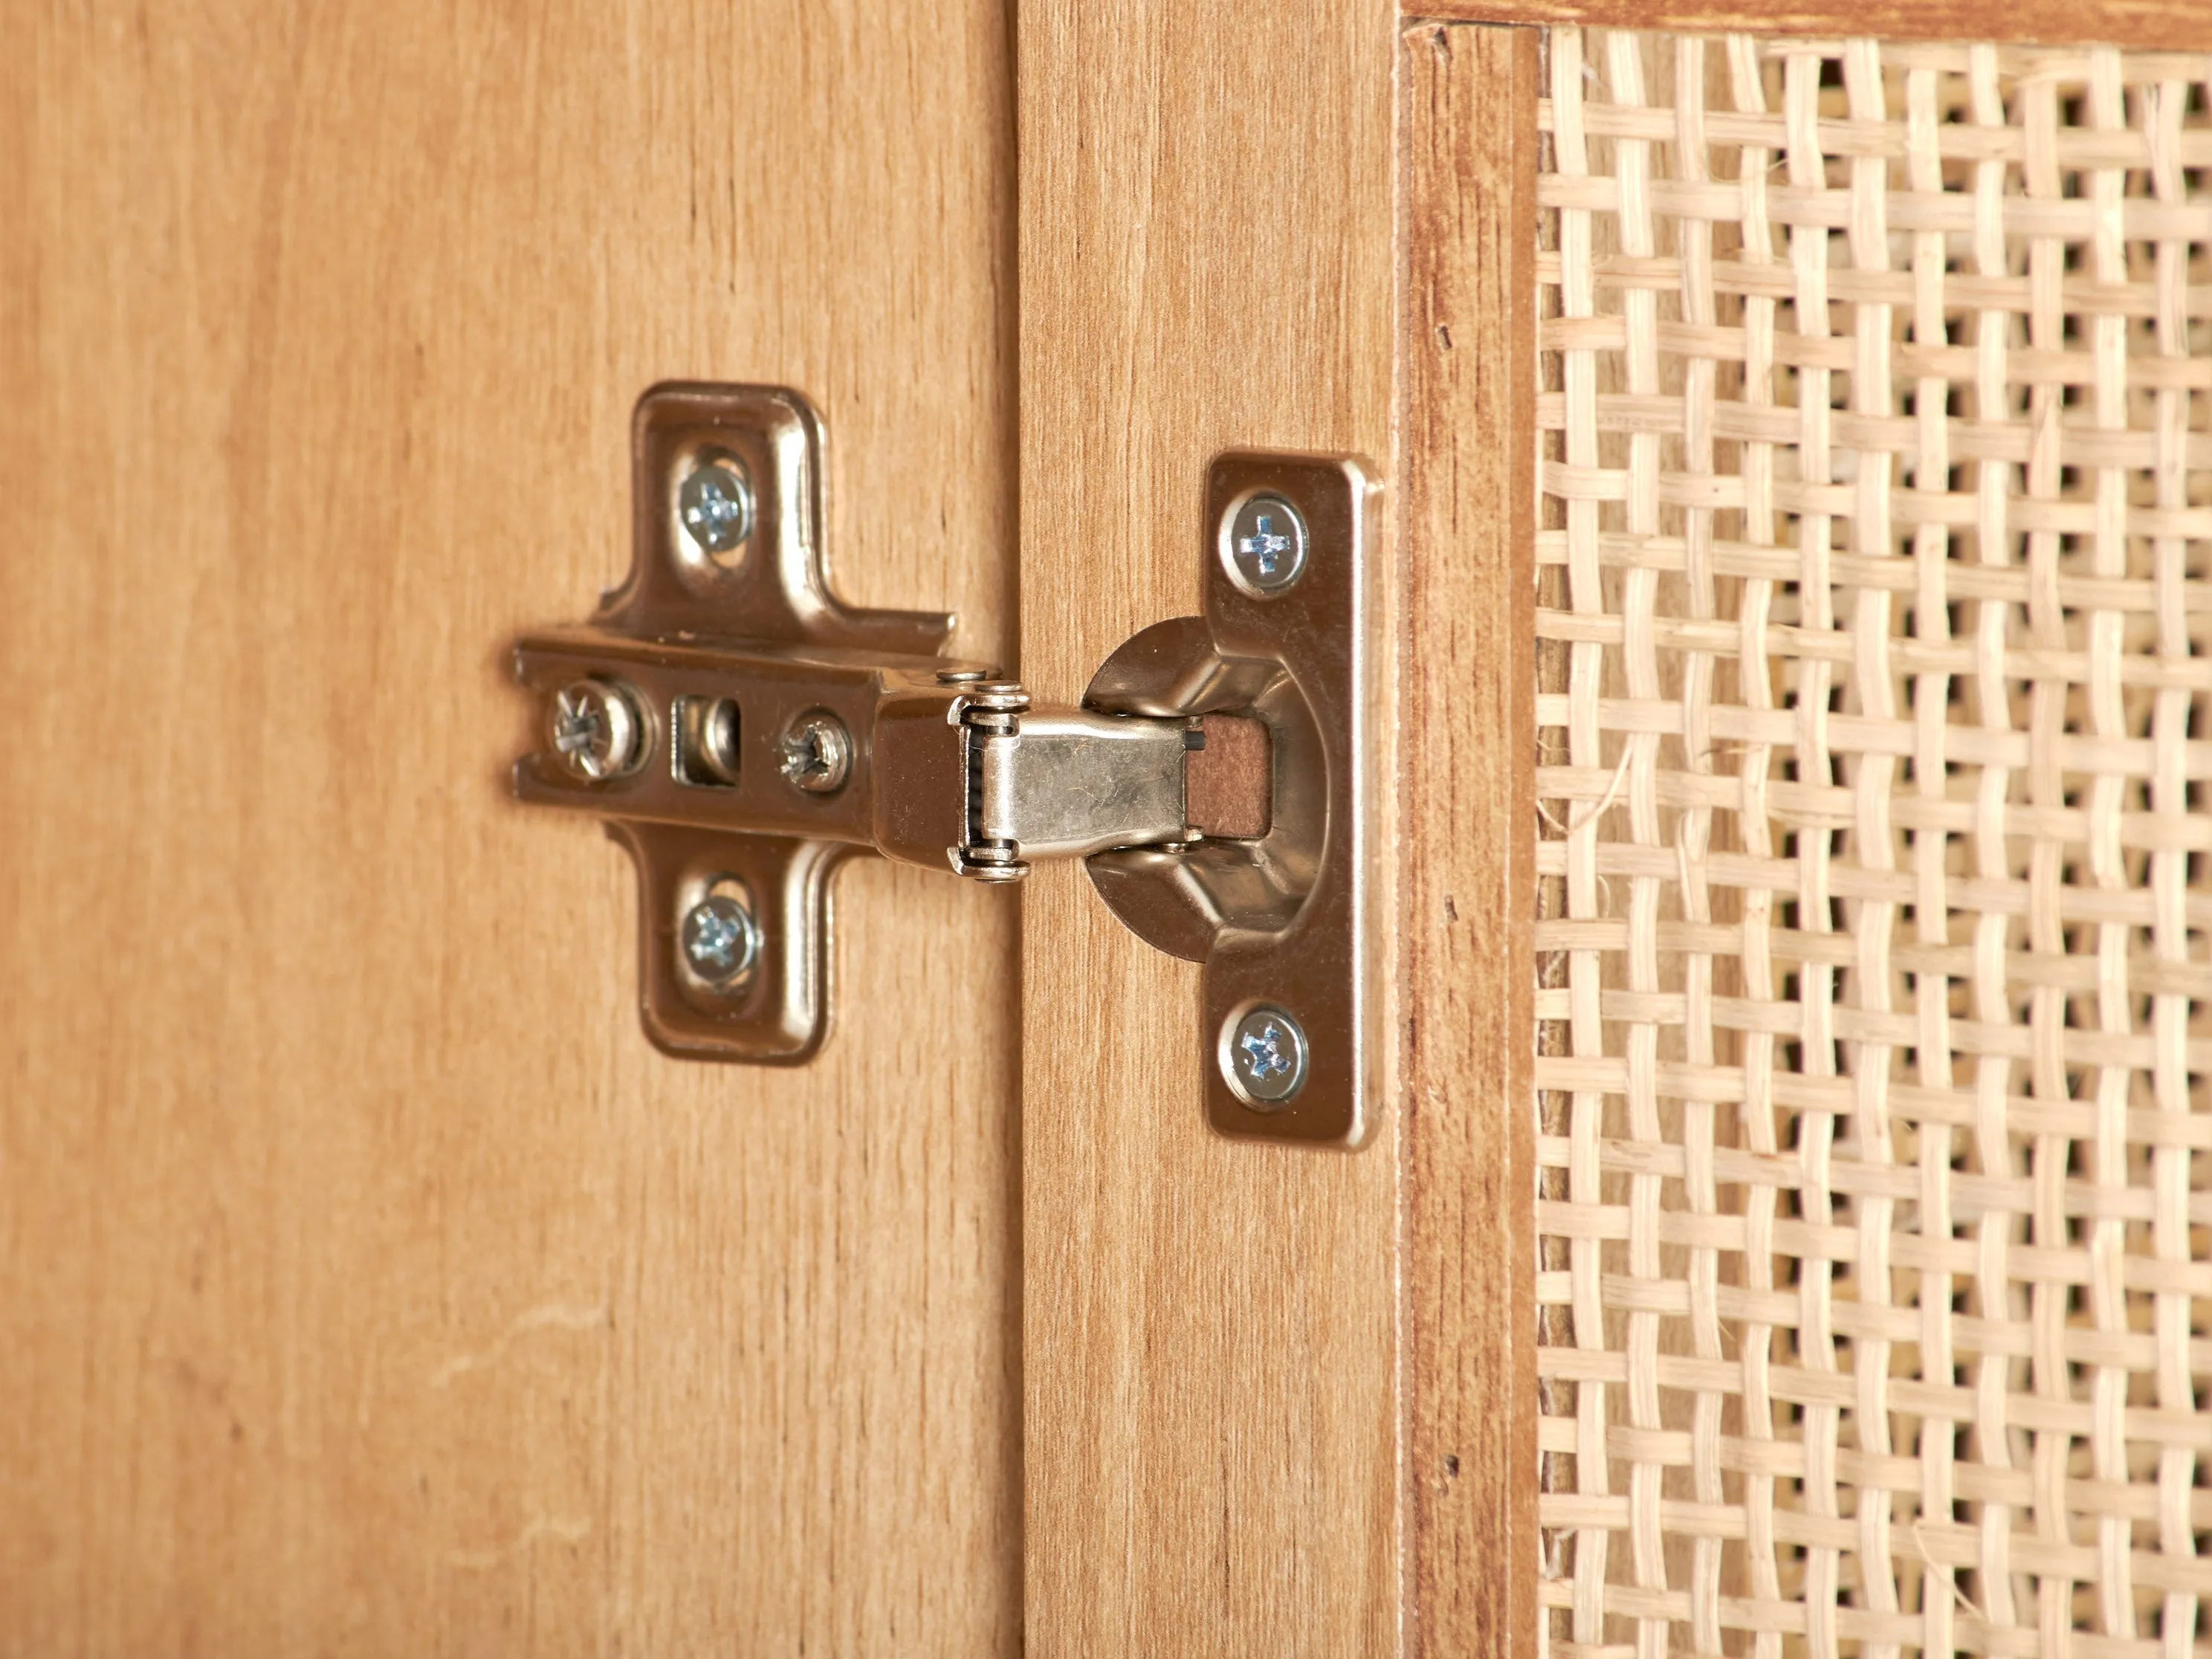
(1286, 924)
(742, 733)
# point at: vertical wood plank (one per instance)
(1209, 1366)
(367, 1284)
(1467, 814)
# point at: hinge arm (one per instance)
(937, 767)
(1068, 782)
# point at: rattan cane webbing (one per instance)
(1876, 1137)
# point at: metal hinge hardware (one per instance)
(743, 733)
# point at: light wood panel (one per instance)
(367, 1285)
(1467, 878)
(2169, 25)
(1211, 1418)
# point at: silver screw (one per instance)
(1264, 1058)
(716, 505)
(1266, 546)
(722, 940)
(596, 728)
(818, 752)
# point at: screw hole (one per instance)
(707, 749)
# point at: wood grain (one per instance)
(1467, 816)
(367, 1285)
(2163, 25)
(1228, 785)
(1205, 260)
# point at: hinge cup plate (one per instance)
(1293, 920)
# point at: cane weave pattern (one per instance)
(1875, 1156)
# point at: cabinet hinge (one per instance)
(743, 733)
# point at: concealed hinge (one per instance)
(743, 733)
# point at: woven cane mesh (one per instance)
(1876, 1142)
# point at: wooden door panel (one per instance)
(367, 1284)
(1761, 1024)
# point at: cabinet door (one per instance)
(1794, 421)
(368, 1283)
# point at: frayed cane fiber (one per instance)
(1876, 1137)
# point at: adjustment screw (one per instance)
(1266, 545)
(596, 729)
(1264, 1058)
(716, 505)
(722, 940)
(818, 752)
